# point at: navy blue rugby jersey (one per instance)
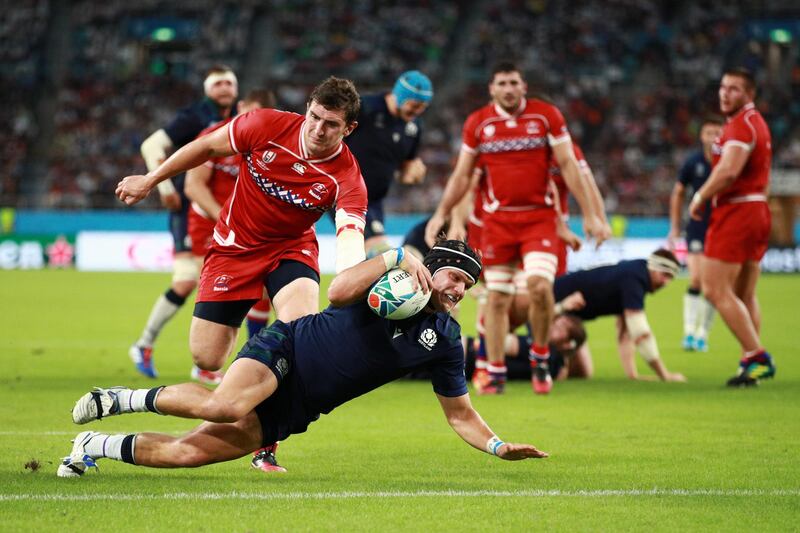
(694, 173)
(608, 290)
(345, 352)
(381, 143)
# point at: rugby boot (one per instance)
(264, 459)
(142, 357)
(752, 370)
(78, 461)
(541, 381)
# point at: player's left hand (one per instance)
(516, 452)
(696, 210)
(133, 189)
(414, 172)
(569, 237)
(419, 272)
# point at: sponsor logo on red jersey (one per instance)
(221, 282)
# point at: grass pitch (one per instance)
(624, 455)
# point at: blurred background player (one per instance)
(208, 187)
(698, 313)
(619, 290)
(515, 138)
(738, 231)
(386, 144)
(221, 89)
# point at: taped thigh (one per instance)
(540, 264)
(499, 279)
(186, 269)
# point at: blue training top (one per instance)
(381, 143)
(608, 290)
(694, 173)
(345, 352)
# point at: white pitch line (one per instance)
(601, 493)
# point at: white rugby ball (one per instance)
(394, 297)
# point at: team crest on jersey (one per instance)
(318, 190)
(268, 156)
(428, 339)
(299, 168)
(411, 129)
(511, 123)
(396, 137)
(221, 283)
(489, 130)
(532, 128)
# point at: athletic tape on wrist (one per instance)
(493, 444)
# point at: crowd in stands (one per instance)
(19, 62)
(634, 79)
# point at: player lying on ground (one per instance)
(289, 374)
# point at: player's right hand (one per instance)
(171, 201)
(676, 377)
(456, 231)
(597, 229)
(516, 452)
(574, 302)
(133, 189)
(419, 272)
(432, 229)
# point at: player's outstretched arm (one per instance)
(133, 189)
(457, 186)
(675, 208)
(469, 425)
(352, 284)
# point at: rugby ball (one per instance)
(394, 297)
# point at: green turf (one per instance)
(367, 465)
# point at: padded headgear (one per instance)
(454, 254)
(413, 85)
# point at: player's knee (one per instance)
(206, 359)
(184, 288)
(223, 410)
(498, 302)
(539, 288)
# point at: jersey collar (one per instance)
(743, 109)
(304, 150)
(505, 114)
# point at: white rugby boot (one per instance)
(96, 405)
(76, 463)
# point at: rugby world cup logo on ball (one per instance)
(394, 297)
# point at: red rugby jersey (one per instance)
(515, 152)
(281, 192)
(746, 129)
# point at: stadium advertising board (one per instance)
(33, 252)
(152, 252)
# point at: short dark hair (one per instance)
(712, 118)
(218, 68)
(504, 66)
(338, 94)
(744, 73)
(265, 97)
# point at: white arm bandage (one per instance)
(349, 240)
(154, 151)
(642, 336)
